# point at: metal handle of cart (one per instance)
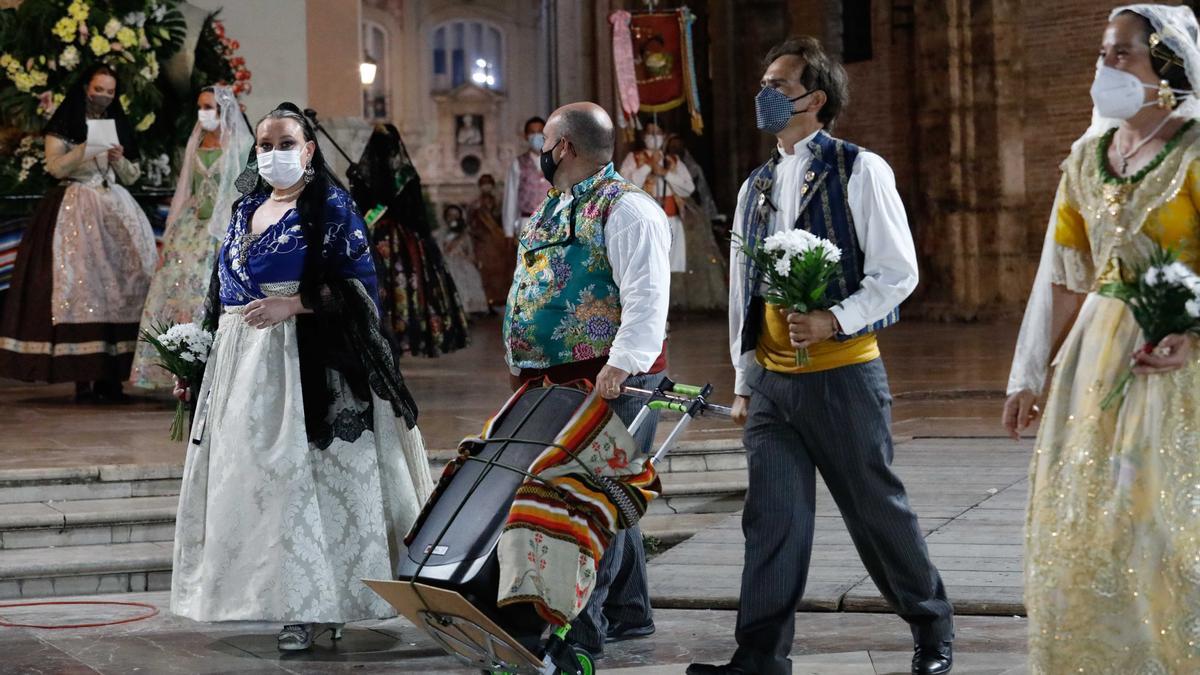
(691, 401)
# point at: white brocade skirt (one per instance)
(269, 528)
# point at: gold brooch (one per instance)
(1115, 195)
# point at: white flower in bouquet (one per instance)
(111, 28)
(182, 351)
(1176, 273)
(798, 267)
(1163, 295)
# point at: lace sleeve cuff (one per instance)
(1073, 269)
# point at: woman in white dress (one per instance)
(305, 466)
(215, 156)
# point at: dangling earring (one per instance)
(309, 173)
(1166, 97)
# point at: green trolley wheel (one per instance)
(586, 665)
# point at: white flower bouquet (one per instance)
(182, 351)
(797, 267)
(1163, 295)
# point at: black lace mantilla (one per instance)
(342, 334)
(347, 425)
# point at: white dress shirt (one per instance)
(638, 241)
(890, 259)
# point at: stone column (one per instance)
(574, 51)
(335, 52)
(970, 210)
(334, 86)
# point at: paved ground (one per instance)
(967, 485)
(946, 380)
(969, 495)
(826, 644)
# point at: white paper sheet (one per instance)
(102, 135)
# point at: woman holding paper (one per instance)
(85, 260)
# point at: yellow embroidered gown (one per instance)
(1113, 532)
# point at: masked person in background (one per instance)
(1112, 558)
(461, 263)
(86, 259)
(667, 179)
(215, 156)
(495, 255)
(704, 286)
(525, 187)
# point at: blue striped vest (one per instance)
(824, 211)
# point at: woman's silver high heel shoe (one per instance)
(300, 636)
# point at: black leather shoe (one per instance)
(627, 631)
(706, 669)
(933, 659)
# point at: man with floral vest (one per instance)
(589, 301)
(833, 413)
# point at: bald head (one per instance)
(587, 126)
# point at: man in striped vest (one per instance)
(832, 414)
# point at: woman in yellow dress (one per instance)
(1112, 572)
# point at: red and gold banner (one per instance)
(658, 61)
(661, 65)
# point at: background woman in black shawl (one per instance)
(85, 261)
(420, 300)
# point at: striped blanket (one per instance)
(589, 484)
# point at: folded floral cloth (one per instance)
(585, 487)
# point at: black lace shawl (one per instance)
(343, 334)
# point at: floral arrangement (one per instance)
(1163, 295)
(45, 44)
(240, 74)
(183, 351)
(797, 267)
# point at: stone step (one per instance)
(671, 529)
(724, 454)
(84, 570)
(88, 483)
(699, 492)
(87, 522)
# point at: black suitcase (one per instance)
(455, 546)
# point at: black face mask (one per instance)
(97, 104)
(549, 166)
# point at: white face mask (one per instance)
(281, 168)
(654, 142)
(1120, 95)
(208, 120)
(536, 141)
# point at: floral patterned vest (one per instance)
(564, 305)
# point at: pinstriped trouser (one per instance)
(621, 594)
(838, 422)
